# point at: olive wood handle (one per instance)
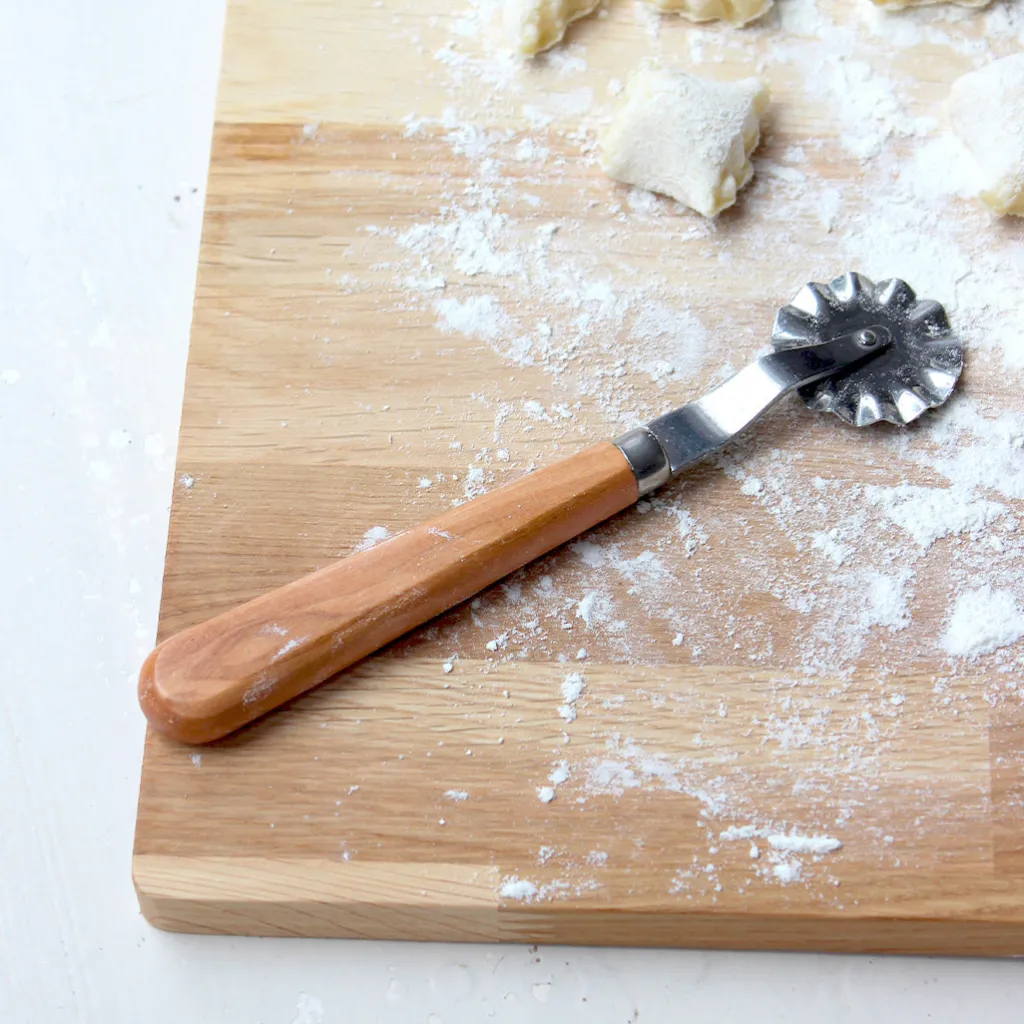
(215, 677)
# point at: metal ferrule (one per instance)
(687, 435)
(646, 458)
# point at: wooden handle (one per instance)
(215, 677)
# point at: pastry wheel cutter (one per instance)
(865, 351)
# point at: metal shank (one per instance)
(692, 432)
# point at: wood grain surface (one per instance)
(326, 396)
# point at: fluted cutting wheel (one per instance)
(917, 372)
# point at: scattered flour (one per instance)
(517, 889)
(572, 687)
(778, 861)
(287, 647)
(477, 317)
(983, 620)
(373, 536)
(788, 871)
(928, 514)
(585, 608)
(885, 602)
(816, 845)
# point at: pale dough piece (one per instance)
(986, 110)
(534, 25)
(686, 137)
(739, 12)
(900, 4)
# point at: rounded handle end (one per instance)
(181, 716)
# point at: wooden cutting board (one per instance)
(333, 396)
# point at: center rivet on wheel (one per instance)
(922, 356)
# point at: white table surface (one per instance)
(106, 110)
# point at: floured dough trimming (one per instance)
(739, 12)
(685, 137)
(899, 4)
(534, 25)
(986, 110)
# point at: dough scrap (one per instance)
(738, 12)
(686, 137)
(898, 5)
(985, 109)
(535, 25)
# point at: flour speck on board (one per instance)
(517, 889)
(983, 620)
(572, 690)
(928, 514)
(477, 317)
(787, 871)
(308, 1010)
(817, 845)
